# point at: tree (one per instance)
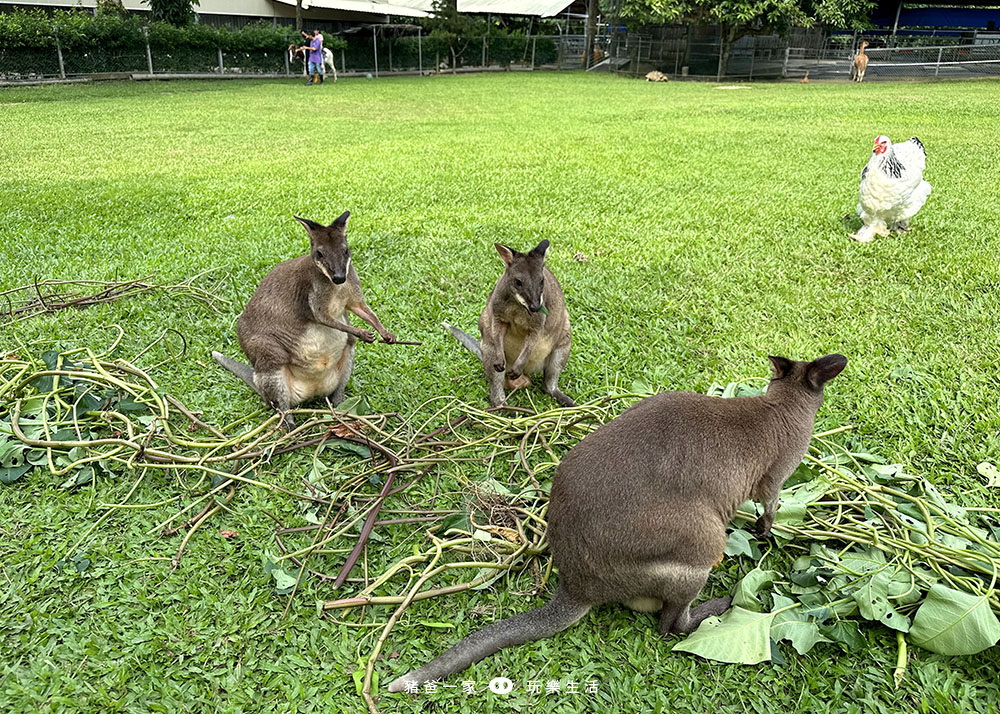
(737, 18)
(174, 12)
(452, 28)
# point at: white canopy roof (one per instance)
(539, 8)
(404, 8)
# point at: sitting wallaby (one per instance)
(524, 326)
(639, 508)
(295, 330)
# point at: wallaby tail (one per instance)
(470, 342)
(243, 371)
(555, 616)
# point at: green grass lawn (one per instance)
(713, 227)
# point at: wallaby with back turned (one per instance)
(639, 508)
(295, 329)
(524, 327)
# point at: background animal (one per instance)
(295, 329)
(892, 187)
(524, 327)
(860, 63)
(296, 52)
(639, 508)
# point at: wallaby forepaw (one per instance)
(763, 526)
(367, 336)
(389, 338)
(288, 422)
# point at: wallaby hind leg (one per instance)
(273, 388)
(678, 585)
(554, 365)
(338, 393)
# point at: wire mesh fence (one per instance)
(700, 52)
(676, 51)
(362, 54)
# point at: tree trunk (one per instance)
(728, 37)
(298, 16)
(593, 7)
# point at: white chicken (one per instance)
(892, 188)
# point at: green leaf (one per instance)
(542, 309)
(991, 472)
(284, 582)
(457, 521)
(437, 625)
(795, 625)
(952, 622)
(738, 543)
(740, 637)
(745, 595)
(81, 477)
(846, 634)
(803, 634)
(641, 386)
(491, 485)
(354, 406)
(873, 596)
(350, 447)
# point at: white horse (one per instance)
(298, 52)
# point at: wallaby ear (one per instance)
(506, 254)
(309, 225)
(822, 370)
(782, 366)
(341, 220)
(541, 249)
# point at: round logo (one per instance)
(501, 685)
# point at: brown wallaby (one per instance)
(295, 330)
(524, 326)
(639, 508)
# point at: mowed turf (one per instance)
(694, 231)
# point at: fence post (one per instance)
(288, 66)
(221, 67)
(62, 67)
(149, 52)
(484, 51)
(937, 67)
(784, 67)
(534, 44)
(375, 48)
(753, 54)
(420, 51)
(343, 60)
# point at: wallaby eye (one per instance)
(518, 283)
(319, 255)
(347, 252)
